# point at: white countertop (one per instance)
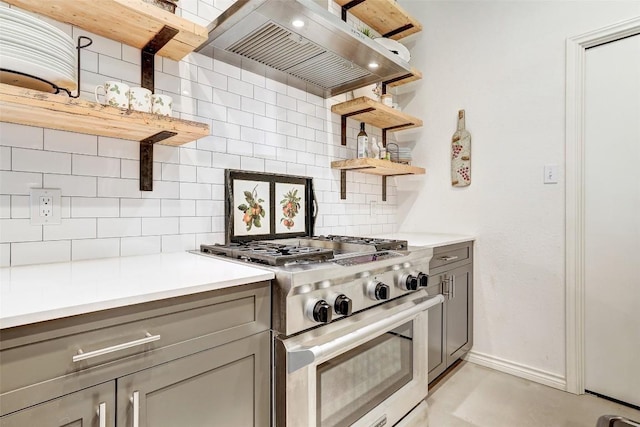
(432, 240)
(36, 293)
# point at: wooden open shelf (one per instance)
(383, 168)
(132, 22)
(365, 109)
(377, 167)
(34, 108)
(384, 16)
(414, 76)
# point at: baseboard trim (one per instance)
(517, 369)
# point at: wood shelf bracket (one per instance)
(148, 54)
(146, 158)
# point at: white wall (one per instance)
(256, 124)
(504, 63)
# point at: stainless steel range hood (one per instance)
(325, 56)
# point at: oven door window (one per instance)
(353, 383)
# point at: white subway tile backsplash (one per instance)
(5, 207)
(117, 69)
(251, 164)
(226, 69)
(226, 130)
(92, 207)
(228, 99)
(159, 226)
(101, 45)
(112, 147)
(5, 158)
(296, 169)
(276, 112)
(253, 106)
(139, 208)
(239, 117)
(20, 207)
(217, 192)
(14, 135)
(72, 185)
(19, 230)
(178, 207)
(195, 191)
(163, 190)
(195, 157)
(212, 143)
(274, 166)
(70, 142)
(40, 252)
(265, 123)
(131, 168)
(239, 87)
(240, 147)
(226, 161)
(210, 175)
(19, 182)
(172, 172)
(209, 208)
(5, 255)
(95, 166)
(276, 86)
(286, 128)
(119, 227)
(73, 228)
(257, 80)
(212, 111)
(166, 82)
(195, 225)
(264, 151)
(212, 79)
(130, 54)
(147, 245)
(118, 187)
(178, 243)
(196, 90)
(166, 154)
(94, 248)
(40, 161)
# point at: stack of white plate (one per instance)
(33, 47)
(404, 154)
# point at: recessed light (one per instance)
(298, 23)
(373, 65)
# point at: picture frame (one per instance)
(263, 206)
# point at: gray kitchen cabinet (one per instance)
(451, 324)
(225, 386)
(83, 408)
(194, 356)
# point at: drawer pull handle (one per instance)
(88, 355)
(135, 401)
(102, 414)
(448, 257)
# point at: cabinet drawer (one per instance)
(451, 254)
(35, 353)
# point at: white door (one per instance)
(612, 220)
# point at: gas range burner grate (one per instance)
(378, 243)
(269, 253)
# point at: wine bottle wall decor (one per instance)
(461, 154)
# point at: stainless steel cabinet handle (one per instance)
(448, 257)
(452, 291)
(135, 401)
(445, 286)
(102, 414)
(88, 355)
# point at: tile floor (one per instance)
(475, 396)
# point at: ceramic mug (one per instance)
(139, 99)
(161, 104)
(116, 94)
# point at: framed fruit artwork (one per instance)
(290, 208)
(261, 206)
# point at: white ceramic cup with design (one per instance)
(161, 104)
(116, 94)
(140, 99)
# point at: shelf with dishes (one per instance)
(35, 108)
(383, 168)
(132, 22)
(384, 16)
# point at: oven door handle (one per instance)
(303, 356)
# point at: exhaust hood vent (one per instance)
(325, 57)
(278, 48)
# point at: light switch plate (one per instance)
(551, 174)
(45, 206)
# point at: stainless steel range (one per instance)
(350, 326)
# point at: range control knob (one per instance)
(379, 291)
(342, 305)
(423, 280)
(319, 311)
(409, 282)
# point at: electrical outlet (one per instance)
(45, 206)
(550, 174)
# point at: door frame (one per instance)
(575, 193)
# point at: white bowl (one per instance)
(395, 47)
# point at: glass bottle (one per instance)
(363, 141)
